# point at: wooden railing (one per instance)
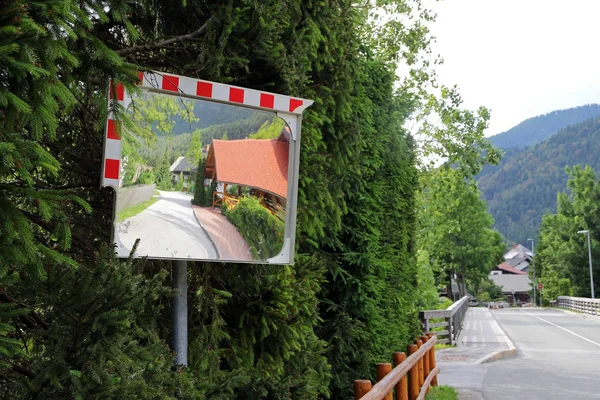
(452, 316)
(580, 304)
(420, 367)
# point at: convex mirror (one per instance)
(202, 170)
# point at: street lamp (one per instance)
(533, 264)
(590, 254)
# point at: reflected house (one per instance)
(181, 167)
(258, 164)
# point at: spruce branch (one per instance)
(162, 44)
(30, 320)
(24, 371)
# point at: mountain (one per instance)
(524, 186)
(537, 129)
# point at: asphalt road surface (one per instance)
(559, 358)
(166, 229)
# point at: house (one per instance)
(512, 275)
(516, 287)
(258, 164)
(506, 268)
(181, 167)
(519, 257)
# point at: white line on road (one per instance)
(564, 329)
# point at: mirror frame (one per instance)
(288, 108)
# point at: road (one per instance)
(558, 358)
(166, 229)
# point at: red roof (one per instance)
(511, 270)
(258, 163)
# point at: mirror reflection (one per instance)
(201, 180)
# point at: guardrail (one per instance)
(580, 304)
(453, 318)
(421, 369)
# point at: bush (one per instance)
(202, 197)
(146, 177)
(262, 231)
(179, 186)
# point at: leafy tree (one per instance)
(163, 174)
(194, 152)
(562, 255)
(457, 229)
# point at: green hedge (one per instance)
(262, 230)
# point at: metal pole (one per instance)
(533, 265)
(179, 313)
(587, 232)
(590, 254)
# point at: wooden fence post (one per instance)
(361, 387)
(382, 370)
(401, 387)
(426, 367)
(432, 361)
(419, 343)
(413, 375)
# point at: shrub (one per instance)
(262, 231)
(202, 196)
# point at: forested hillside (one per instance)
(525, 184)
(537, 129)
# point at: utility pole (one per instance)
(179, 313)
(533, 265)
(590, 256)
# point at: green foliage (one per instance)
(458, 138)
(537, 129)
(524, 186)
(179, 186)
(202, 195)
(562, 254)
(163, 174)
(262, 230)
(260, 331)
(270, 129)
(427, 293)
(489, 291)
(442, 393)
(457, 229)
(443, 303)
(85, 348)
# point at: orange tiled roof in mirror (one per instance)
(257, 163)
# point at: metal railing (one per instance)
(452, 316)
(580, 304)
(420, 367)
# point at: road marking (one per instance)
(564, 329)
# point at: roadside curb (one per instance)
(207, 234)
(511, 351)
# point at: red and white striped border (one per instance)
(191, 88)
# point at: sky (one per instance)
(519, 58)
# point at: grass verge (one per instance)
(442, 346)
(442, 393)
(135, 210)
